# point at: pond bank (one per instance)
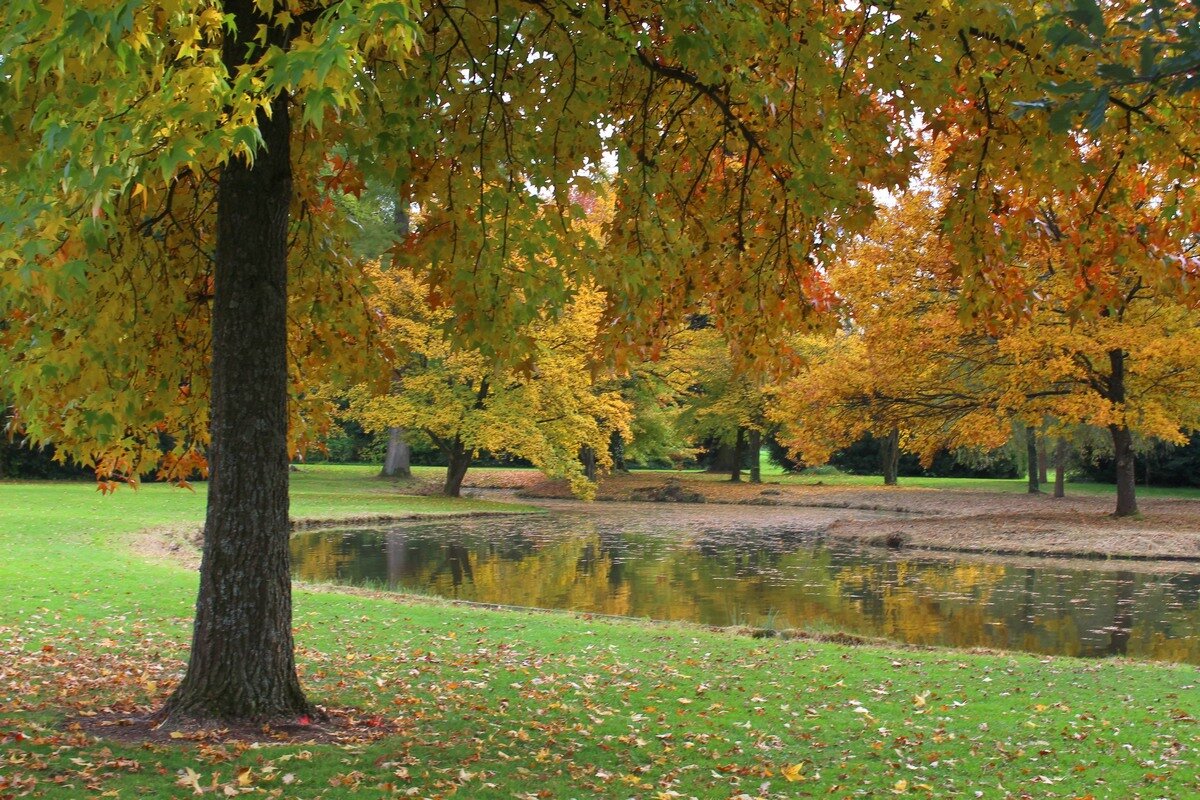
(955, 520)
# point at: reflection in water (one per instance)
(716, 570)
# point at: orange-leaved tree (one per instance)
(1094, 343)
(902, 366)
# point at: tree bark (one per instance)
(739, 446)
(1122, 439)
(396, 464)
(1031, 454)
(889, 457)
(1043, 460)
(587, 456)
(397, 461)
(1060, 468)
(616, 449)
(242, 664)
(755, 455)
(1126, 480)
(458, 460)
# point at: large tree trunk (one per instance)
(457, 462)
(1122, 439)
(739, 446)
(889, 457)
(1031, 455)
(1060, 468)
(396, 464)
(755, 455)
(242, 664)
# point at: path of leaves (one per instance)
(457, 703)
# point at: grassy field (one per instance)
(491, 704)
(828, 476)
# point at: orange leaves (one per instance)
(179, 468)
(343, 177)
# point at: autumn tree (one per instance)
(911, 362)
(168, 165)
(721, 398)
(546, 409)
(1100, 224)
(901, 366)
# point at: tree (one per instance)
(180, 207)
(721, 400)
(547, 408)
(901, 367)
(1093, 344)
(183, 154)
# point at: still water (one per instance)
(767, 567)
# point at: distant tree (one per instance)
(546, 409)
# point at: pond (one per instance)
(767, 568)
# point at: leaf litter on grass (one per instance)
(486, 704)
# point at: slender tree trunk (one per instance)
(458, 460)
(1122, 439)
(242, 664)
(1060, 468)
(755, 455)
(889, 457)
(1126, 483)
(739, 444)
(1043, 460)
(587, 456)
(1031, 453)
(396, 464)
(397, 461)
(616, 449)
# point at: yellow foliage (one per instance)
(909, 358)
(545, 409)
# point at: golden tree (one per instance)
(546, 409)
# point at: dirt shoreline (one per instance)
(183, 543)
(939, 520)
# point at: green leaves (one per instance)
(1088, 14)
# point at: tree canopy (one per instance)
(169, 168)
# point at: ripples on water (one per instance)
(707, 564)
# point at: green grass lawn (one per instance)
(828, 476)
(493, 704)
